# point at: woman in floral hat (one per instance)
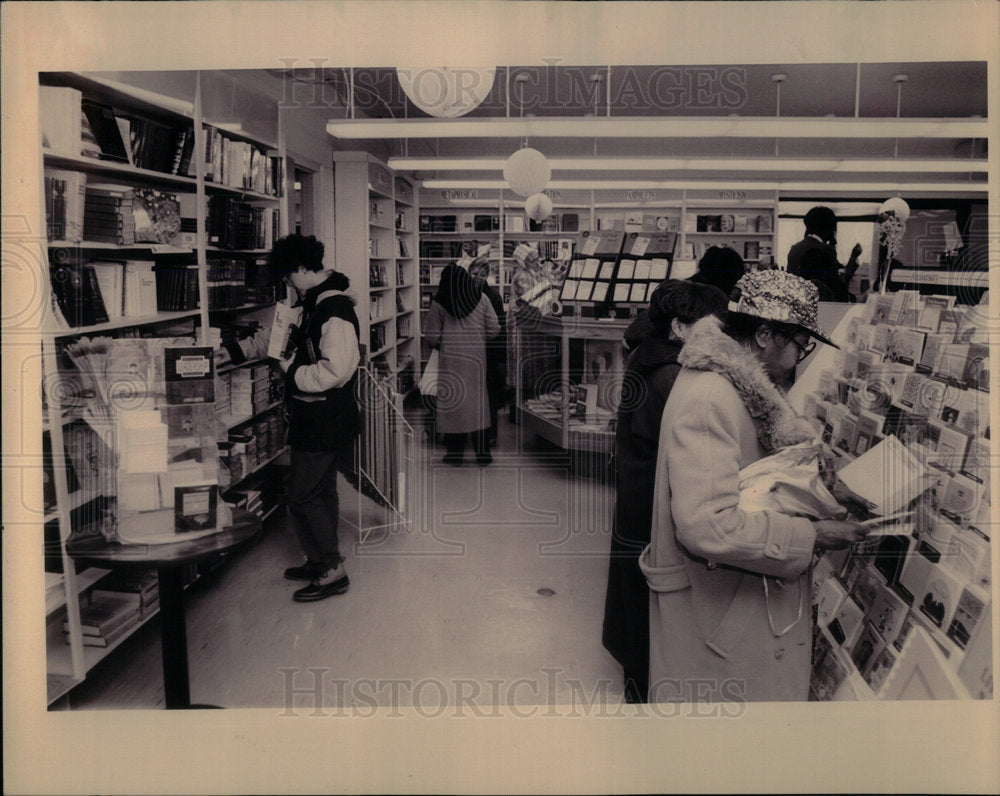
(729, 589)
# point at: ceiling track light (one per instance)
(956, 165)
(660, 127)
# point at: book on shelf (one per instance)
(65, 198)
(140, 299)
(156, 216)
(78, 294)
(189, 374)
(59, 110)
(104, 126)
(177, 288)
(103, 613)
(111, 280)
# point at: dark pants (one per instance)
(455, 444)
(312, 500)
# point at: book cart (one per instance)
(906, 614)
(155, 217)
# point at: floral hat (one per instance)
(779, 296)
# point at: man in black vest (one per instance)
(323, 413)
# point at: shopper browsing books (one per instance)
(459, 322)
(323, 412)
(729, 604)
(649, 375)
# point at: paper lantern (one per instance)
(446, 92)
(895, 205)
(538, 206)
(527, 171)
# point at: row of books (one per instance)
(241, 164)
(103, 290)
(752, 251)
(492, 222)
(236, 224)
(378, 275)
(78, 210)
(729, 222)
(75, 125)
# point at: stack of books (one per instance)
(107, 215)
(106, 617)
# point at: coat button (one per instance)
(779, 653)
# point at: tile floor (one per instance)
(497, 600)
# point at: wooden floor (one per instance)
(497, 600)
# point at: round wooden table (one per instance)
(169, 561)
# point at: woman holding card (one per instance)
(729, 602)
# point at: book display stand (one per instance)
(906, 613)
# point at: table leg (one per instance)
(173, 638)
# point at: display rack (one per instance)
(907, 613)
(155, 214)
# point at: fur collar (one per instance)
(778, 425)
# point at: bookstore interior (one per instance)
(164, 192)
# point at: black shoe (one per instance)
(454, 461)
(307, 571)
(483, 461)
(335, 581)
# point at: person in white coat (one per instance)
(729, 589)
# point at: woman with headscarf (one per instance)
(458, 324)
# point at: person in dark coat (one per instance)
(496, 349)
(720, 266)
(459, 322)
(324, 420)
(817, 252)
(649, 375)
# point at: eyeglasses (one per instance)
(804, 350)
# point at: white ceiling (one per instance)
(683, 98)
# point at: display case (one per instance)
(572, 399)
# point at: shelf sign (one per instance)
(466, 193)
(555, 196)
(640, 196)
(733, 196)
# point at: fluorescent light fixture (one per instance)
(950, 165)
(659, 127)
(893, 186)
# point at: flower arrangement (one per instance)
(892, 216)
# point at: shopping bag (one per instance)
(428, 383)
(791, 481)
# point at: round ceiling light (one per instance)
(446, 92)
(527, 171)
(538, 206)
